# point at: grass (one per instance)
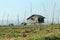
(44, 32)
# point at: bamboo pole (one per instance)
(18, 19)
(3, 19)
(31, 7)
(53, 13)
(45, 12)
(7, 18)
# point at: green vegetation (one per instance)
(42, 32)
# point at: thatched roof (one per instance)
(39, 16)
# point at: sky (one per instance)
(12, 8)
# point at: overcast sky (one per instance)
(12, 8)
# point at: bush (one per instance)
(27, 31)
(46, 38)
(52, 38)
(11, 24)
(24, 35)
